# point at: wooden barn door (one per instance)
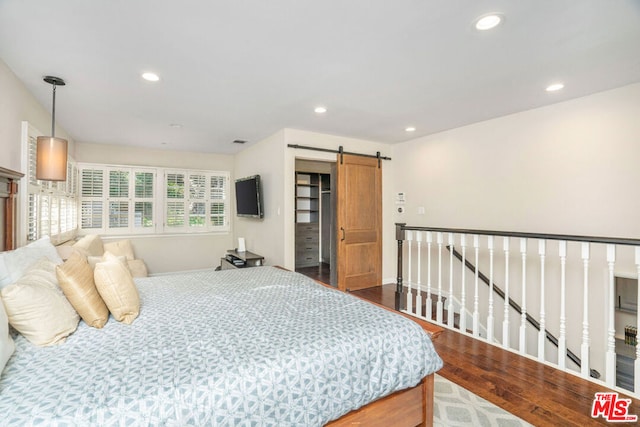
(359, 222)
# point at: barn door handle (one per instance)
(343, 236)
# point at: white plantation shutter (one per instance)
(117, 200)
(91, 199)
(196, 201)
(175, 204)
(131, 200)
(218, 204)
(144, 199)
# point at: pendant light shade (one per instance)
(51, 159)
(51, 152)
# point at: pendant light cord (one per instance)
(53, 112)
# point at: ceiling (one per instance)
(244, 69)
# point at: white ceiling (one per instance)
(243, 69)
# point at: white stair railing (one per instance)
(555, 277)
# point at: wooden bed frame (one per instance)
(405, 408)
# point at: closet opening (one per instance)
(315, 220)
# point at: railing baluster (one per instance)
(542, 249)
(584, 348)
(419, 280)
(429, 301)
(505, 321)
(523, 317)
(610, 376)
(636, 377)
(476, 297)
(409, 239)
(562, 340)
(463, 293)
(490, 315)
(416, 286)
(450, 312)
(439, 305)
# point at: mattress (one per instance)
(246, 347)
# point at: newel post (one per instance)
(399, 290)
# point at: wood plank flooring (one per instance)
(539, 394)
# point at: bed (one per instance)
(256, 346)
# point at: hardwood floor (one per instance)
(320, 272)
(539, 394)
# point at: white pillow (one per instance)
(37, 308)
(7, 346)
(20, 260)
(5, 277)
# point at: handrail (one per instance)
(542, 236)
(571, 355)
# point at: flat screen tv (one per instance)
(249, 197)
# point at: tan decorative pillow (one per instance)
(120, 248)
(90, 245)
(76, 280)
(93, 260)
(138, 268)
(119, 292)
(37, 308)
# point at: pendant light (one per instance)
(51, 152)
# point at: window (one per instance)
(117, 200)
(51, 206)
(196, 200)
(133, 200)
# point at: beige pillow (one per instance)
(90, 245)
(76, 280)
(116, 286)
(120, 248)
(138, 268)
(65, 251)
(37, 308)
(93, 260)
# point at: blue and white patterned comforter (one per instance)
(248, 347)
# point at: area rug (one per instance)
(456, 407)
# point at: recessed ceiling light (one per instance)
(487, 22)
(555, 87)
(175, 125)
(410, 129)
(320, 110)
(150, 77)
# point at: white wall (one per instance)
(569, 168)
(164, 253)
(265, 236)
(17, 105)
